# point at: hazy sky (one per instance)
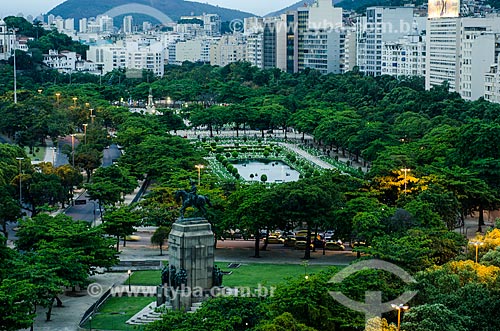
(35, 7)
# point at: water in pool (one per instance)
(276, 171)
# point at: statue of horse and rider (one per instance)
(192, 199)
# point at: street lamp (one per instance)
(58, 95)
(305, 264)
(20, 182)
(92, 116)
(74, 101)
(15, 67)
(477, 243)
(129, 273)
(73, 149)
(199, 167)
(53, 155)
(399, 308)
(405, 171)
(90, 323)
(40, 91)
(85, 133)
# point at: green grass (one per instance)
(145, 278)
(116, 311)
(39, 153)
(251, 275)
(247, 275)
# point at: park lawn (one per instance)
(247, 275)
(116, 311)
(254, 274)
(39, 153)
(145, 278)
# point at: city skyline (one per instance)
(37, 7)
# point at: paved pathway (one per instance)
(306, 155)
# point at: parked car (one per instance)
(289, 242)
(301, 243)
(334, 246)
(275, 240)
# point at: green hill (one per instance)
(172, 8)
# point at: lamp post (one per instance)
(305, 264)
(58, 95)
(477, 243)
(405, 171)
(20, 182)
(399, 308)
(199, 167)
(39, 91)
(90, 323)
(129, 273)
(85, 133)
(15, 67)
(53, 156)
(74, 101)
(73, 149)
(92, 116)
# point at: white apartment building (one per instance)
(383, 24)
(478, 51)
(212, 25)
(129, 56)
(187, 50)
(108, 56)
(350, 47)
(406, 57)
(255, 49)
(151, 58)
(6, 41)
(63, 62)
(492, 81)
(324, 39)
(443, 46)
(127, 26)
(461, 52)
(229, 49)
(82, 25)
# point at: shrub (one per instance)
(263, 178)
(225, 162)
(228, 154)
(204, 139)
(266, 153)
(244, 149)
(213, 144)
(220, 149)
(216, 138)
(234, 154)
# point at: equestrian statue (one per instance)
(192, 199)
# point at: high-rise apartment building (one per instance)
(324, 38)
(405, 57)
(127, 26)
(382, 24)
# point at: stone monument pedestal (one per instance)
(191, 248)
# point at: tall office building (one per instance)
(302, 26)
(287, 42)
